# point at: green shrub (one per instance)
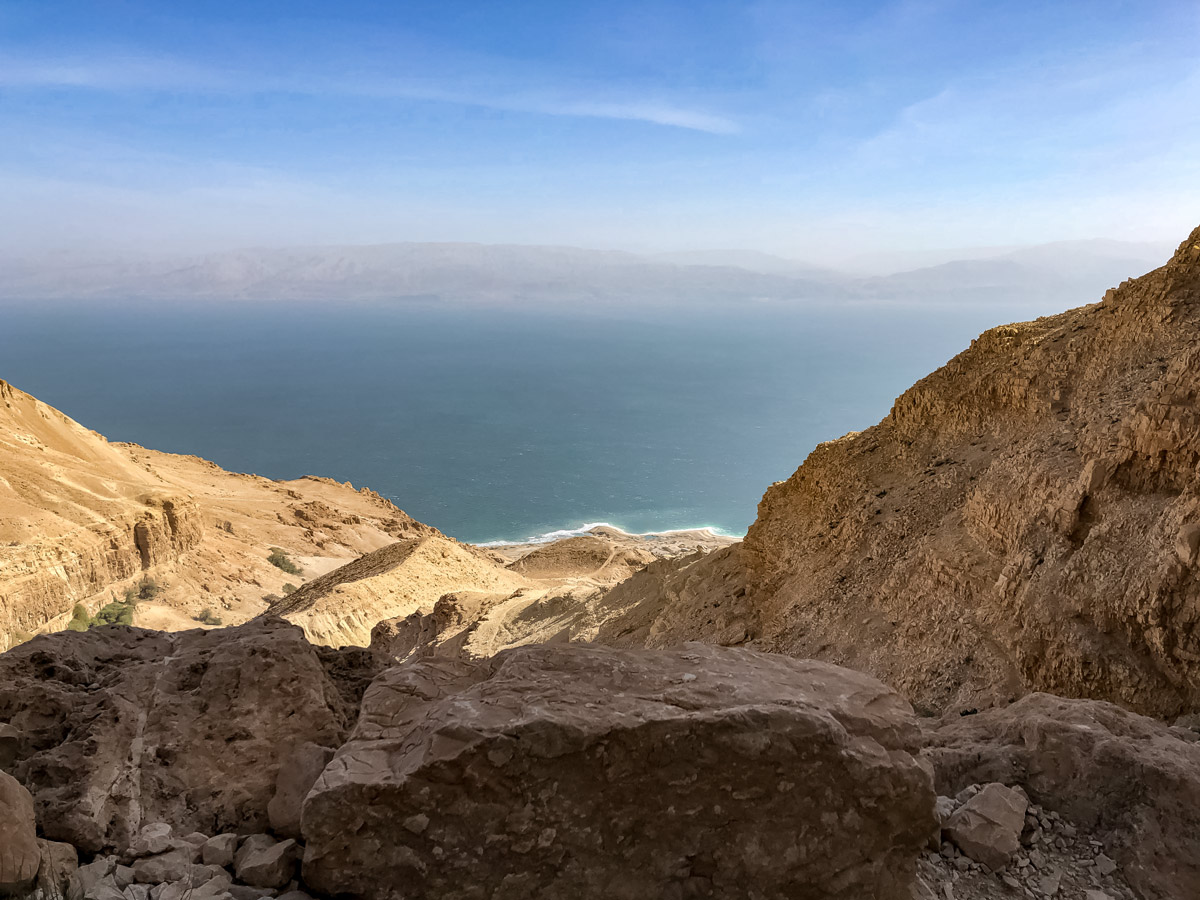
(208, 617)
(147, 589)
(116, 613)
(289, 589)
(80, 620)
(280, 560)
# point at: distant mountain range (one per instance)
(1068, 273)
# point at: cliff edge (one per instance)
(1027, 518)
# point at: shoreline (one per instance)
(672, 542)
(608, 529)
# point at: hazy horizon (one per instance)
(824, 135)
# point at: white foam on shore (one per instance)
(587, 527)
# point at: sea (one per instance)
(492, 424)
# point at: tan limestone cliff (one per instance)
(83, 519)
(1026, 518)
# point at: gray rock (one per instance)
(297, 774)
(1104, 865)
(196, 839)
(944, 809)
(174, 865)
(213, 887)
(568, 771)
(137, 892)
(244, 892)
(220, 850)
(263, 863)
(123, 876)
(104, 889)
(1049, 884)
(151, 840)
(202, 875)
(987, 827)
(59, 862)
(20, 856)
(85, 878)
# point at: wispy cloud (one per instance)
(138, 73)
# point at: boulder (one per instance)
(987, 827)
(151, 839)
(1126, 778)
(125, 727)
(297, 774)
(58, 863)
(219, 850)
(263, 862)
(174, 865)
(85, 879)
(569, 771)
(20, 856)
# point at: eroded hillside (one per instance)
(82, 520)
(1026, 518)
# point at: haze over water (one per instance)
(491, 425)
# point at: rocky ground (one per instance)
(564, 771)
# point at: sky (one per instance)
(813, 130)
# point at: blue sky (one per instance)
(815, 130)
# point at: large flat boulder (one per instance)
(1130, 780)
(20, 856)
(573, 772)
(122, 727)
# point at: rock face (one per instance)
(1026, 518)
(1133, 782)
(20, 856)
(82, 519)
(571, 771)
(298, 772)
(121, 727)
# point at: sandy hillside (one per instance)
(83, 519)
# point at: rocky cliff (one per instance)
(1026, 518)
(83, 519)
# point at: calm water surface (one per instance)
(490, 425)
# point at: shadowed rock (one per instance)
(572, 771)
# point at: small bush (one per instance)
(280, 560)
(227, 526)
(147, 589)
(289, 589)
(116, 613)
(80, 620)
(208, 617)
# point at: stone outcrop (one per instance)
(1026, 518)
(120, 727)
(1131, 782)
(571, 771)
(20, 856)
